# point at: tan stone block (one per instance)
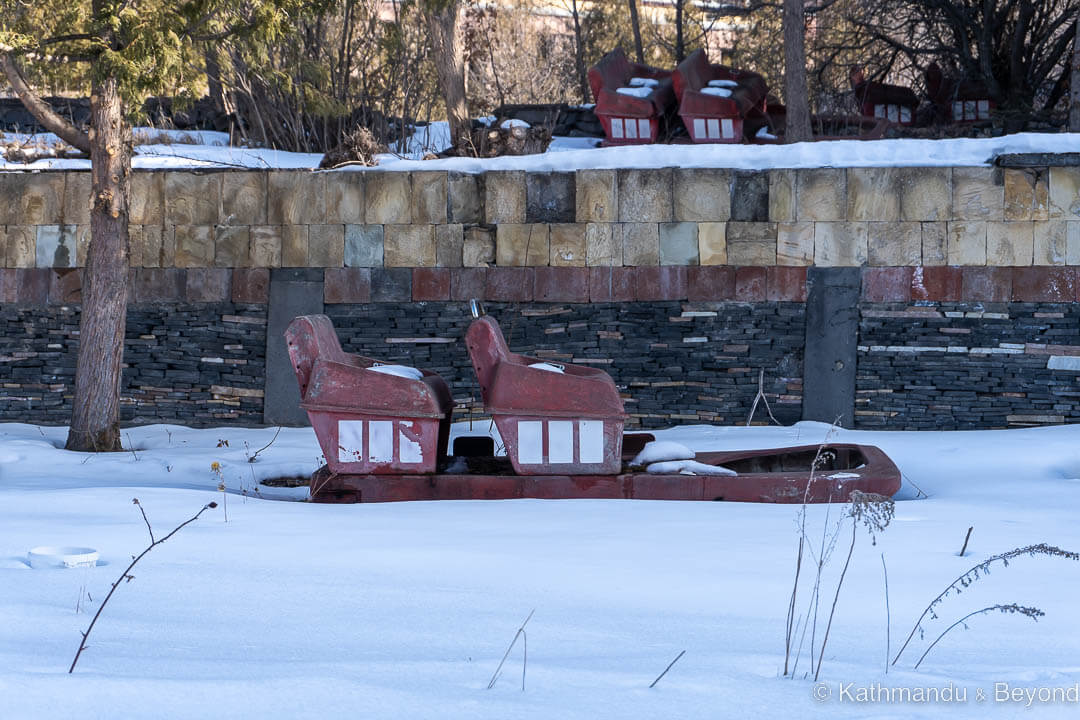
(1050, 243)
(345, 197)
(782, 206)
(935, 243)
(967, 243)
(1072, 243)
(243, 198)
(751, 243)
(296, 197)
(567, 245)
(148, 198)
(1026, 195)
(712, 243)
(31, 198)
(410, 246)
(596, 196)
(521, 244)
(701, 195)
(505, 197)
(326, 246)
(1009, 244)
(21, 246)
(266, 245)
(602, 246)
(640, 243)
(1064, 193)
(168, 247)
(3, 248)
(795, 243)
(840, 244)
(77, 199)
(479, 247)
(978, 194)
(645, 195)
(873, 194)
(429, 196)
(82, 246)
(449, 242)
(294, 245)
(144, 246)
(925, 193)
(194, 245)
(388, 196)
(894, 243)
(192, 198)
(821, 194)
(231, 246)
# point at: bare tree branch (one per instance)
(40, 109)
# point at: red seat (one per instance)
(368, 420)
(629, 120)
(567, 419)
(712, 118)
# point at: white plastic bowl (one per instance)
(47, 556)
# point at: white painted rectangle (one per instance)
(380, 441)
(530, 442)
(591, 441)
(879, 111)
(894, 113)
(644, 130)
(630, 128)
(969, 109)
(905, 114)
(958, 110)
(714, 127)
(350, 439)
(984, 109)
(409, 451)
(616, 127)
(561, 441)
(699, 128)
(727, 128)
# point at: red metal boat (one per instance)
(631, 99)
(716, 100)
(384, 429)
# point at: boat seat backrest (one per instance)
(310, 338)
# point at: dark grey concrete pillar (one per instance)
(832, 333)
(293, 292)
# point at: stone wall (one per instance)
(683, 283)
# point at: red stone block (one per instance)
(431, 284)
(943, 283)
(8, 285)
(509, 284)
(561, 284)
(709, 283)
(251, 285)
(611, 284)
(785, 284)
(664, 282)
(32, 286)
(346, 285)
(987, 284)
(467, 283)
(1043, 284)
(154, 285)
(208, 285)
(65, 286)
(887, 284)
(751, 284)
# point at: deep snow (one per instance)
(403, 610)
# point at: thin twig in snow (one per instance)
(519, 633)
(670, 664)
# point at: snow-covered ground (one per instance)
(567, 154)
(404, 610)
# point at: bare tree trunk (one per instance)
(635, 24)
(96, 406)
(680, 40)
(579, 57)
(449, 56)
(796, 94)
(214, 87)
(1074, 81)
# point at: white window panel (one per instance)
(644, 130)
(591, 440)
(699, 128)
(561, 441)
(616, 128)
(714, 127)
(350, 434)
(530, 442)
(727, 128)
(380, 441)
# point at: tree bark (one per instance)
(449, 55)
(579, 56)
(680, 41)
(635, 24)
(1074, 81)
(96, 405)
(796, 94)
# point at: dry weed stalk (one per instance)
(525, 658)
(1011, 609)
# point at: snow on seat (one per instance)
(368, 416)
(629, 115)
(567, 422)
(715, 101)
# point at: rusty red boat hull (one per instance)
(878, 474)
